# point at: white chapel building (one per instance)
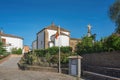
(46, 38)
(11, 41)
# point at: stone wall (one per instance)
(107, 59)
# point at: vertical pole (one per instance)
(59, 52)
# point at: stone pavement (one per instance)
(9, 71)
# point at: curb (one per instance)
(4, 59)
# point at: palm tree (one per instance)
(114, 13)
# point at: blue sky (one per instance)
(26, 17)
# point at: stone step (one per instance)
(96, 76)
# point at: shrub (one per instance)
(63, 58)
(52, 50)
(66, 49)
(40, 53)
(110, 43)
(16, 51)
(2, 49)
(113, 41)
(50, 55)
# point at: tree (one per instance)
(114, 13)
(86, 46)
(113, 42)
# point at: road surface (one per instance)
(9, 71)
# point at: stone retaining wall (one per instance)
(107, 59)
(115, 72)
(95, 76)
(41, 68)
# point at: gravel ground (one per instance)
(10, 71)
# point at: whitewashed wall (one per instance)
(50, 33)
(64, 40)
(41, 40)
(15, 43)
(34, 45)
(65, 32)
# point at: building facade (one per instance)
(34, 44)
(26, 49)
(46, 38)
(11, 41)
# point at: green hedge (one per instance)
(50, 54)
(52, 51)
(16, 51)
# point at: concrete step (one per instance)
(96, 76)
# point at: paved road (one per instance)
(10, 71)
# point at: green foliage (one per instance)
(114, 13)
(52, 50)
(28, 59)
(40, 53)
(66, 49)
(113, 42)
(64, 58)
(86, 46)
(16, 51)
(50, 55)
(110, 43)
(98, 46)
(2, 49)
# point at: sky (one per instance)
(25, 18)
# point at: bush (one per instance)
(110, 43)
(52, 50)
(50, 55)
(63, 58)
(113, 42)
(2, 49)
(16, 51)
(66, 49)
(40, 53)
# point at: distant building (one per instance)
(34, 44)
(11, 41)
(46, 38)
(26, 49)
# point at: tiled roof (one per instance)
(53, 27)
(9, 35)
(75, 39)
(62, 34)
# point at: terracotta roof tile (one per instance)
(54, 27)
(9, 35)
